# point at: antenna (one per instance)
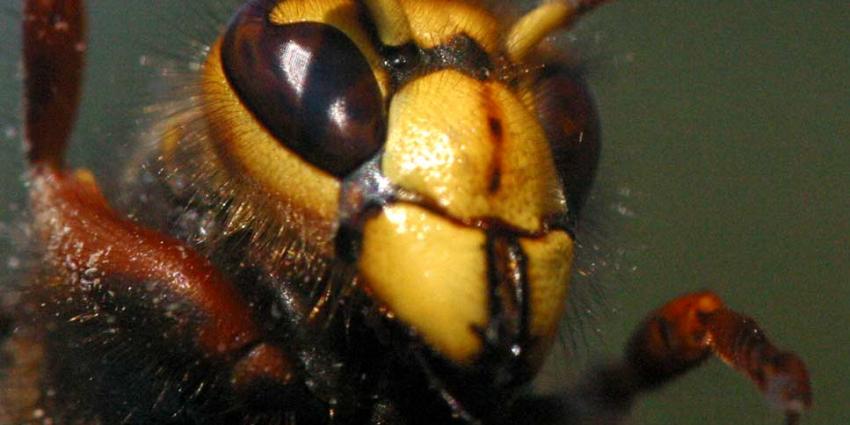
(393, 27)
(532, 28)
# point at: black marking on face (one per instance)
(497, 137)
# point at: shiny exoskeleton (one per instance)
(363, 212)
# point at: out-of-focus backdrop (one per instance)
(726, 166)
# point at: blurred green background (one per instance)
(726, 166)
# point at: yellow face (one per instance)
(363, 212)
(412, 141)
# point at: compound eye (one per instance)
(568, 115)
(309, 85)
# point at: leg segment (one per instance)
(122, 311)
(54, 46)
(680, 336)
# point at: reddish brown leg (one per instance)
(94, 257)
(54, 46)
(686, 331)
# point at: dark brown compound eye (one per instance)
(309, 85)
(568, 115)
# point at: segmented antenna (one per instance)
(527, 33)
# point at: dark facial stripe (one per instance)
(497, 139)
(507, 337)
